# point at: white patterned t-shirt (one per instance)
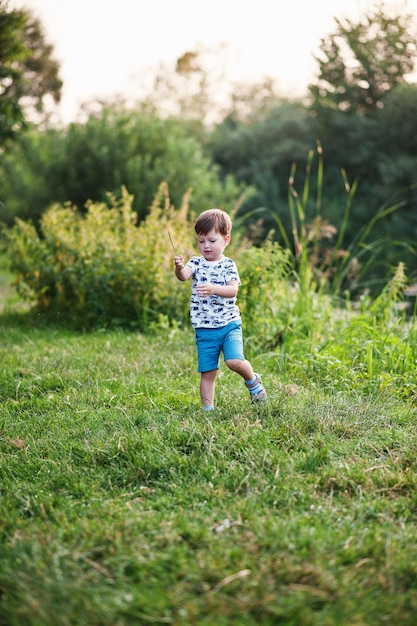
(212, 311)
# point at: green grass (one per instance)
(122, 503)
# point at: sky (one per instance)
(108, 47)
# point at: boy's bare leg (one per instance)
(244, 368)
(207, 385)
(253, 381)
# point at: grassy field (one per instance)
(122, 503)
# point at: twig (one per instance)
(172, 243)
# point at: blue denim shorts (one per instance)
(211, 341)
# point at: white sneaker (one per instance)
(261, 395)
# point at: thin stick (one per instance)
(172, 244)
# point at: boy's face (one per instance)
(212, 245)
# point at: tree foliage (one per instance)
(360, 62)
(28, 72)
(188, 89)
(196, 89)
(259, 151)
(115, 147)
(12, 52)
(40, 70)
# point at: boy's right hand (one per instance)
(179, 262)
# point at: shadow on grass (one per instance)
(26, 319)
(31, 319)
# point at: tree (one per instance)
(28, 73)
(188, 89)
(115, 147)
(12, 52)
(396, 147)
(258, 150)
(361, 62)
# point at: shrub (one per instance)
(100, 267)
(264, 298)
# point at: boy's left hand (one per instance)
(205, 289)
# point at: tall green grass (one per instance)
(322, 258)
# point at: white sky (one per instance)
(105, 46)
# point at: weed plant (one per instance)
(99, 267)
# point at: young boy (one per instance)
(213, 310)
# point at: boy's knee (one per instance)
(233, 364)
(209, 375)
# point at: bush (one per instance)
(100, 267)
(263, 295)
